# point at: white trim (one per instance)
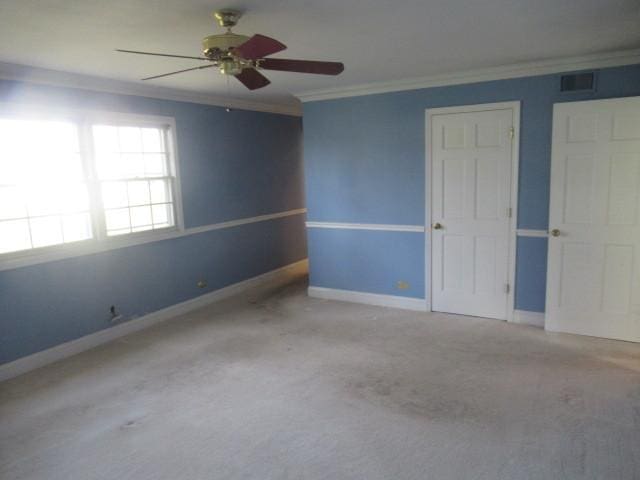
(57, 78)
(515, 189)
(534, 319)
(479, 107)
(517, 70)
(45, 357)
(172, 137)
(89, 247)
(393, 301)
(515, 162)
(244, 221)
(428, 200)
(524, 232)
(367, 226)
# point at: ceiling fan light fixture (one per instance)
(230, 66)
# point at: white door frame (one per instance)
(515, 156)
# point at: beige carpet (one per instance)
(274, 385)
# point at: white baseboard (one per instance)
(418, 304)
(535, 319)
(64, 350)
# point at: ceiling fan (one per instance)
(242, 56)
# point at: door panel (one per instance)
(593, 283)
(578, 192)
(471, 195)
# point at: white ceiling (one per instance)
(378, 40)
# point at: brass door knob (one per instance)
(437, 226)
(555, 232)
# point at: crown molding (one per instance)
(543, 67)
(57, 78)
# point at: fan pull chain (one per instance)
(228, 109)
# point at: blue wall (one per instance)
(373, 260)
(233, 165)
(365, 163)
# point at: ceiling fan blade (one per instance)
(179, 71)
(252, 79)
(258, 46)
(161, 54)
(301, 66)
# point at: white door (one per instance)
(472, 155)
(593, 284)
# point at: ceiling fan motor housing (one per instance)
(217, 46)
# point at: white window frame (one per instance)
(84, 119)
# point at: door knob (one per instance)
(437, 226)
(555, 232)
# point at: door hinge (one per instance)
(509, 212)
(512, 132)
(507, 288)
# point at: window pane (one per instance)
(76, 227)
(9, 130)
(117, 219)
(10, 171)
(58, 166)
(130, 139)
(39, 148)
(105, 139)
(132, 165)
(74, 198)
(154, 165)
(14, 236)
(152, 140)
(114, 194)
(58, 137)
(52, 198)
(126, 152)
(42, 199)
(66, 168)
(12, 203)
(139, 193)
(46, 231)
(160, 191)
(108, 164)
(162, 215)
(141, 216)
(41, 177)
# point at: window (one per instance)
(67, 181)
(135, 181)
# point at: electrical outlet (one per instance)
(115, 316)
(400, 285)
(201, 284)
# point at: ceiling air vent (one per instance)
(578, 82)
